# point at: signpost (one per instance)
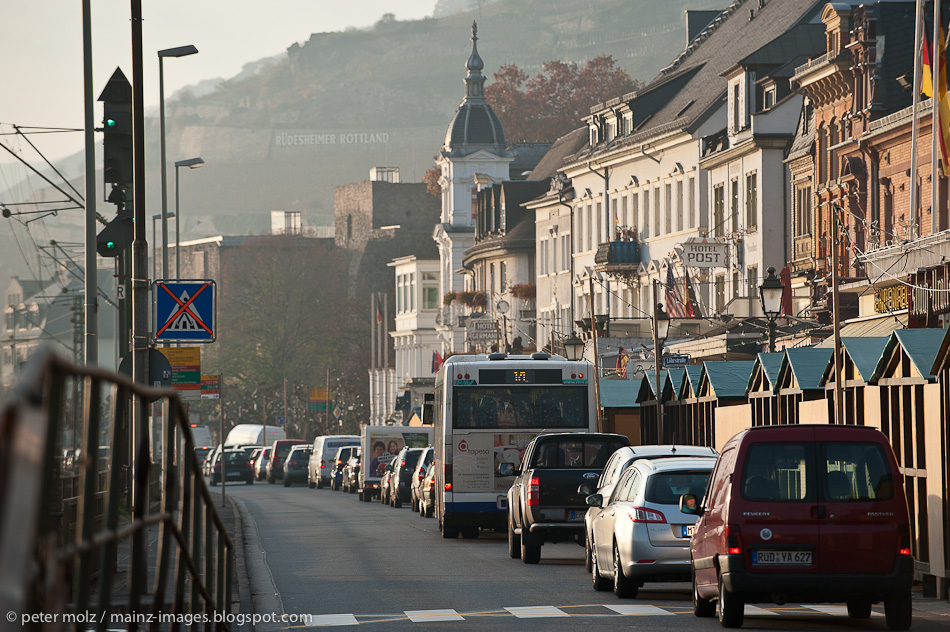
(675, 360)
(319, 399)
(482, 330)
(705, 253)
(186, 370)
(210, 387)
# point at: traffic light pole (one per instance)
(91, 312)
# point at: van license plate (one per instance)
(576, 516)
(688, 530)
(781, 558)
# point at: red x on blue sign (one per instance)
(185, 311)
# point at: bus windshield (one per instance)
(537, 407)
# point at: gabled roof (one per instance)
(865, 353)
(565, 146)
(728, 378)
(619, 393)
(694, 373)
(647, 390)
(920, 345)
(771, 364)
(673, 383)
(807, 365)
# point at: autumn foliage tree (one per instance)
(553, 102)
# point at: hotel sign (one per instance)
(890, 299)
(705, 253)
(929, 294)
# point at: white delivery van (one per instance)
(321, 459)
(201, 435)
(380, 445)
(253, 434)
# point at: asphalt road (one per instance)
(328, 559)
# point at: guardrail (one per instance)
(43, 573)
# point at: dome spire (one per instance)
(474, 81)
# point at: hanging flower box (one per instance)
(449, 298)
(524, 291)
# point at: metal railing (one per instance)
(43, 572)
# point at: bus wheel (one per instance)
(530, 553)
(447, 533)
(470, 533)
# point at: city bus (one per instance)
(486, 410)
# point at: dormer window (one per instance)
(593, 135)
(768, 98)
(736, 108)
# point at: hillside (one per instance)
(344, 102)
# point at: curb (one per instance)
(259, 587)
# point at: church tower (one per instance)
(473, 156)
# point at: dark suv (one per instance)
(405, 463)
(279, 452)
(236, 467)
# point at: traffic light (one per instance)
(117, 235)
(117, 130)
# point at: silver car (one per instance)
(617, 464)
(639, 534)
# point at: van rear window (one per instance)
(835, 472)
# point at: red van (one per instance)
(803, 513)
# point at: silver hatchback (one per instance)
(639, 534)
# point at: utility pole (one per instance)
(327, 413)
(593, 329)
(836, 316)
(657, 356)
(91, 320)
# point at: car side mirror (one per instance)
(506, 469)
(689, 504)
(585, 489)
(595, 500)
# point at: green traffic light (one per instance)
(110, 122)
(110, 245)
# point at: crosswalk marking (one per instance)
(534, 612)
(327, 620)
(637, 610)
(422, 616)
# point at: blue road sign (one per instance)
(185, 311)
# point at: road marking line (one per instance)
(534, 612)
(422, 616)
(755, 611)
(835, 610)
(327, 620)
(637, 610)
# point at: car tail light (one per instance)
(642, 514)
(217, 466)
(422, 473)
(250, 465)
(534, 492)
(323, 464)
(292, 463)
(447, 476)
(733, 541)
(903, 541)
(402, 463)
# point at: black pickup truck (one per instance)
(544, 504)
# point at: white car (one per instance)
(639, 534)
(620, 460)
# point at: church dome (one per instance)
(475, 124)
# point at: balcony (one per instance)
(618, 258)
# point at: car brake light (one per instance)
(323, 464)
(642, 514)
(733, 541)
(534, 492)
(217, 466)
(903, 542)
(292, 463)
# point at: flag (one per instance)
(436, 361)
(674, 300)
(941, 100)
(693, 309)
(379, 317)
(622, 359)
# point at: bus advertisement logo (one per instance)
(463, 446)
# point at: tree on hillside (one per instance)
(286, 315)
(552, 103)
(431, 179)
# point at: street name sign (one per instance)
(185, 311)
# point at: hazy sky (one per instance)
(41, 50)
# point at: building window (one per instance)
(656, 212)
(430, 290)
(734, 206)
(634, 211)
(751, 196)
(503, 275)
(736, 104)
(400, 293)
(590, 228)
(719, 210)
(624, 220)
(646, 214)
(720, 293)
(691, 205)
(679, 205)
(735, 283)
(543, 256)
(491, 279)
(802, 211)
(752, 281)
(668, 190)
(599, 219)
(412, 291)
(566, 252)
(769, 97)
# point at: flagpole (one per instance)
(935, 69)
(918, 40)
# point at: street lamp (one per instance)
(179, 51)
(155, 217)
(771, 292)
(573, 347)
(191, 163)
(661, 329)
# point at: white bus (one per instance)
(486, 410)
